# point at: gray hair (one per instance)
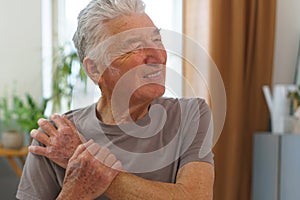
(90, 30)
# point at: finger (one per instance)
(68, 122)
(40, 136)
(78, 151)
(110, 160)
(82, 147)
(58, 121)
(93, 149)
(87, 144)
(73, 127)
(81, 137)
(117, 166)
(112, 173)
(47, 127)
(38, 150)
(102, 154)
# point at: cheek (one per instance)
(164, 53)
(129, 60)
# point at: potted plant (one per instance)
(19, 117)
(12, 137)
(67, 69)
(294, 96)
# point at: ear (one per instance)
(91, 69)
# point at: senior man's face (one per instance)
(137, 56)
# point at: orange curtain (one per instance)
(242, 45)
(241, 42)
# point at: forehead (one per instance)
(125, 23)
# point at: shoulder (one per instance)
(184, 104)
(82, 113)
(168, 100)
(84, 119)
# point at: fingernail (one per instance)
(88, 143)
(41, 120)
(55, 115)
(31, 148)
(117, 166)
(33, 132)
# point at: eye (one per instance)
(138, 46)
(156, 39)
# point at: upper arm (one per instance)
(197, 132)
(39, 178)
(196, 179)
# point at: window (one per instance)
(166, 14)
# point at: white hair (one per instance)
(90, 30)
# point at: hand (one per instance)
(90, 172)
(60, 143)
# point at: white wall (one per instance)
(286, 40)
(20, 46)
(167, 15)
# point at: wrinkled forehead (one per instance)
(123, 41)
(132, 35)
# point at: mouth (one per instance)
(153, 75)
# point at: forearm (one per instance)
(127, 186)
(193, 181)
(130, 187)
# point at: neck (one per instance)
(121, 114)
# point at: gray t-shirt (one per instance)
(155, 147)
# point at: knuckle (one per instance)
(42, 122)
(95, 162)
(54, 116)
(84, 158)
(81, 147)
(64, 129)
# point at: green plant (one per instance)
(7, 116)
(294, 96)
(67, 69)
(21, 115)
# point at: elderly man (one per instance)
(140, 146)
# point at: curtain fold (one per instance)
(241, 43)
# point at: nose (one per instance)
(155, 55)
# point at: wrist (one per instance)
(63, 196)
(114, 184)
(67, 194)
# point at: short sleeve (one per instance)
(198, 127)
(41, 179)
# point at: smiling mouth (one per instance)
(153, 75)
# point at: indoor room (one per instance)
(210, 106)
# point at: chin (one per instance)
(150, 92)
(158, 92)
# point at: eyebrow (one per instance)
(137, 38)
(132, 40)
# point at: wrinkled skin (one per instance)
(60, 143)
(87, 177)
(90, 169)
